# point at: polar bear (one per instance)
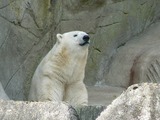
(60, 74)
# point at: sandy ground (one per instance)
(103, 95)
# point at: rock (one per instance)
(89, 112)
(137, 61)
(28, 30)
(3, 95)
(138, 102)
(21, 110)
(11, 110)
(103, 95)
(22, 44)
(146, 68)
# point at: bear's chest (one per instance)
(73, 71)
(64, 67)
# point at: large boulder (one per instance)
(22, 110)
(138, 102)
(11, 110)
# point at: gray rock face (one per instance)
(21, 110)
(139, 102)
(103, 95)
(2, 93)
(11, 110)
(89, 112)
(146, 68)
(22, 44)
(138, 60)
(28, 29)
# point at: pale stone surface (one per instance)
(138, 60)
(21, 110)
(11, 110)
(138, 102)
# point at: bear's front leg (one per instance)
(76, 94)
(51, 90)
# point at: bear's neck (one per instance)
(65, 56)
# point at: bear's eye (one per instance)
(75, 35)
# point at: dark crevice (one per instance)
(134, 88)
(143, 3)
(124, 12)
(62, 20)
(5, 39)
(3, 43)
(7, 5)
(18, 24)
(26, 54)
(29, 31)
(31, 13)
(117, 1)
(109, 24)
(73, 113)
(11, 77)
(121, 45)
(52, 2)
(97, 49)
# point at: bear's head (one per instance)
(74, 38)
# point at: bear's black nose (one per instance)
(86, 38)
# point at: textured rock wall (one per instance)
(89, 112)
(138, 102)
(137, 61)
(11, 110)
(2, 93)
(25, 38)
(28, 29)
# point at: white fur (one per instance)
(59, 76)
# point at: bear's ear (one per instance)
(59, 36)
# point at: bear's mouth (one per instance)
(85, 43)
